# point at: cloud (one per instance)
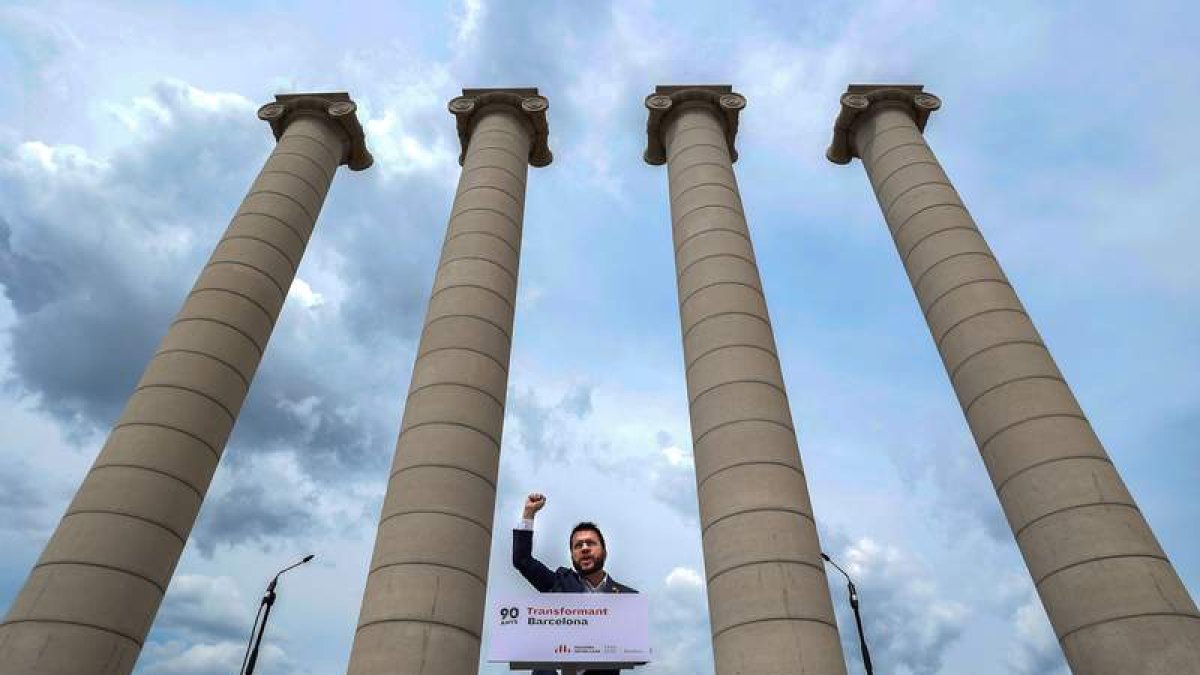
(92, 248)
(679, 625)
(203, 628)
(42, 47)
(943, 472)
(548, 432)
(98, 252)
(22, 497)
(568, 432)
(1034, 649)
(305, 294)
(909, 623)
(467, 22)
(684, 579)
(33, 283)
(205, 608)
(271, 502)
(40, 464)
(182, 658)
(673, 479)
(253, 511)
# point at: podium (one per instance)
(571, 632)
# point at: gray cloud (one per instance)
(30, 283)
(946, 471)
(97, 254)
(536, 45)
(92, 250)
(22, 498)
(254, 511)
(548, 432)
(272, 502)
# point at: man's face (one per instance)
(587, 553)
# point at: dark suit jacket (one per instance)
(561, 580)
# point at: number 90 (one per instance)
(509, 612)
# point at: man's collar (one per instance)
(598, 586)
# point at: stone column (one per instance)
(422, 610)
(768, 596)
(1115, 601)
(90, 599)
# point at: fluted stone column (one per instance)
(422, 610)
(1113, 598)
(90, 599)
(768, 597)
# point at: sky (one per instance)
(128, 138)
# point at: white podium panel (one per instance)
(551, 629)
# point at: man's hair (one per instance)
(586, 526)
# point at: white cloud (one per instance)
(399, 151)
(57, 159)
(208, 622)
(679, 625)
(676, 457)
(205, 607)
(908, 620)
(467, 22)
(175, 102)
(220, 658)
(304, 293)
(684, 577)
(1035, 650)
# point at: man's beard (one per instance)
(598, 560)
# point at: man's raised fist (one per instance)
(534, 503)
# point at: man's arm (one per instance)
(531, 568)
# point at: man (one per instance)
(588, 555)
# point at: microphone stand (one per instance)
(260, 625)
(862, 639)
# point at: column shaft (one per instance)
(91, 597)
(422, 608)
(1113, 598)
(768, 597)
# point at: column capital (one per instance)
(332, 106)
(861, 99)
(669, 99)
(529, 106)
